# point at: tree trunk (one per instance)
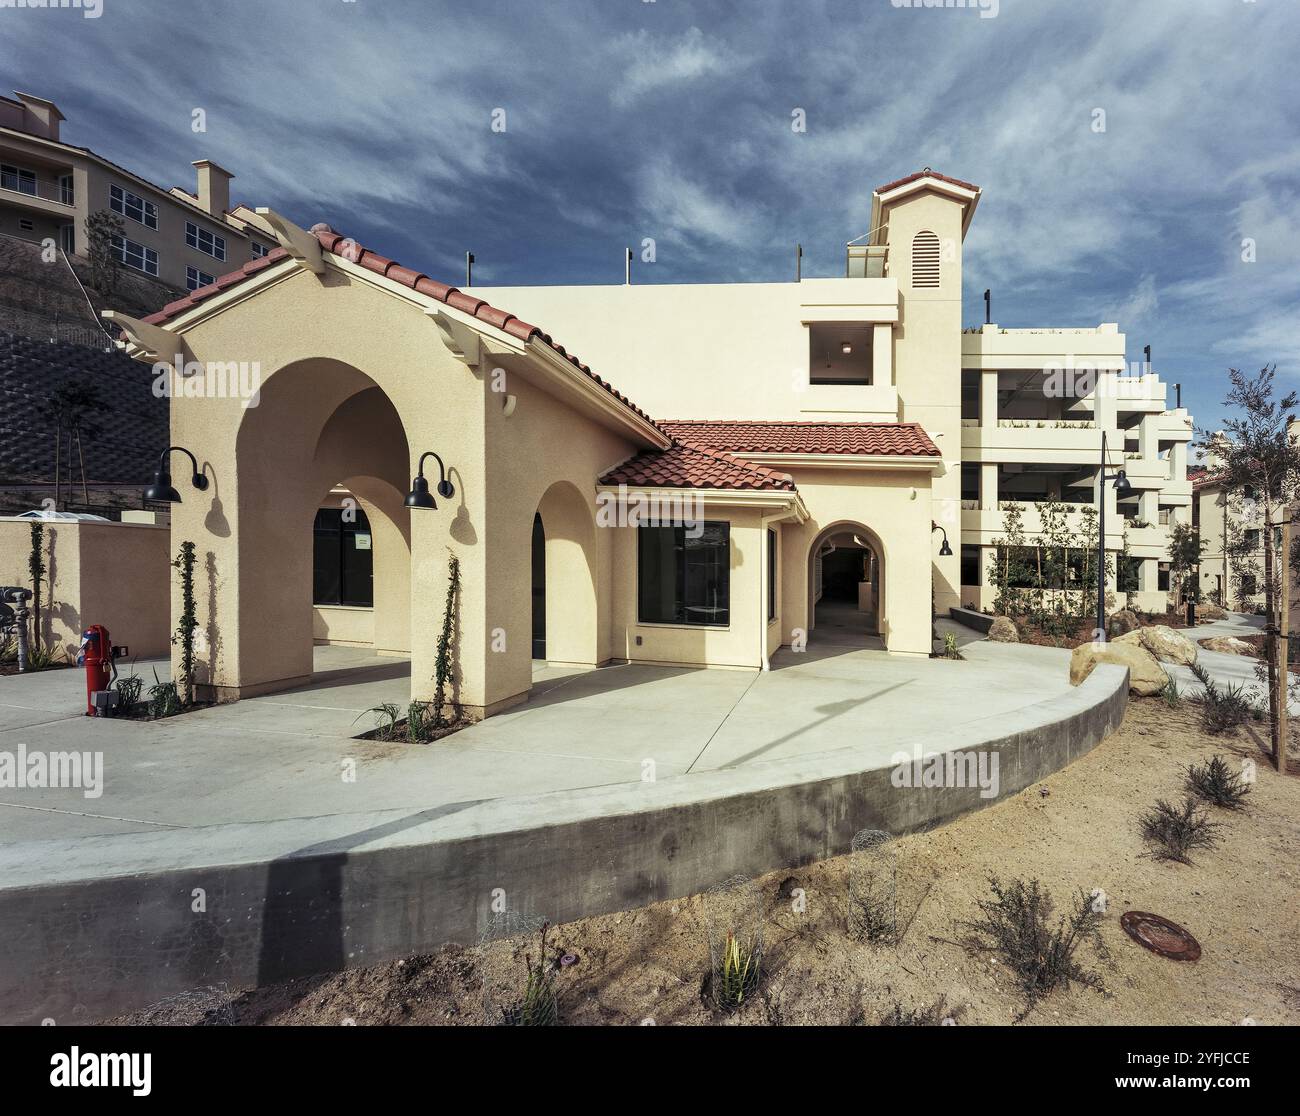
(1283, 666)
(1270, 639)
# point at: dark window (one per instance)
(970, 481)
(684, 580)
(771, 574)
(1162, 578)
(1248, 586)
(1252, 539)
(970, 565)
(344, 561)
(1128, 575)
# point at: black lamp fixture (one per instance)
(945, 551)
(419, 496)
(1123, 489)
(161, 491)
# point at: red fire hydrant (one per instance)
(97, 657)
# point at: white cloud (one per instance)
(647, 66)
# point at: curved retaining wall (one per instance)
(101, 925)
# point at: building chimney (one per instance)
(213, 187)
(40, 117)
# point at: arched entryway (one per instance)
(846, 586)
(322, 436)
(565, 621)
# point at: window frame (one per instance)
(123, 201)
(773, 550)
(342, 531)
(194, 237)
(194, 278)
(122, 250)
(682, 604)
(8, 170)
(258, 251)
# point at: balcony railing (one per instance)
(866, 261)
(37, 188)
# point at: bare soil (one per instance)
(1078, 829)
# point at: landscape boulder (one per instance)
(1209, 611)
(1122, 622)
(1146, 677)
(1003, 631)
(1166, 644)
(1228, 645)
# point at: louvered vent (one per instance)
(925, 260)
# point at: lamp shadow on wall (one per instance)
(462, 529)
(215, 522)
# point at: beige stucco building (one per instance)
(729, 469)
(48, 189)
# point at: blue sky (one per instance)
(669, 119)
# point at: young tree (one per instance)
(1259, 453)
(1009, 571)
(1185, 548)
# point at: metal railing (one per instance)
(37, 188)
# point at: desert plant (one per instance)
(1222, 710)
(1173, 832)
(950, 650)
(443, 663)
(1170, 694)
(184, 634)
(42, 658)
(739, 973)
(873, 887)
(388, 711)
(164, 701)
(1016, 925)
(1216, 783)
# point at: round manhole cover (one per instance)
(1161, 936)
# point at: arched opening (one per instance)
(564, 581)
(846, 583)
(539, 587)
(323, 536)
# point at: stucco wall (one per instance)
(115, 574)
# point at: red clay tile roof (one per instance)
(1201, 477)
(926, 173)
(686, 466)
(890, 439)
(349, 249)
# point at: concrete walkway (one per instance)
(291, 754)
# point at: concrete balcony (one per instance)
(1151, 541)
(849, 402)
(982, 526)
(39, 196)
(1030, 441)
(1014, 349)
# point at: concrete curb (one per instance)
(116, 925)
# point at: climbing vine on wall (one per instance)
(444, 665)
(184, 635)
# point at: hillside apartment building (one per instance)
(48, 189)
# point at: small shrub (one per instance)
(1174, 832)
(419, 722)
(389, 712)
(950, 647)
(538, 1007)
(1016, 925)
(1170, 694)
(1223, 710)
(1216, 783)
(128, 691)
(164, 701)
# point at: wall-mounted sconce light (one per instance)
(945, 551)
(846, 348)
(161, 490)
(419, 496)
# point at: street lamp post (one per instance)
(1122, 489)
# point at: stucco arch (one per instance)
(572, 608)
(875, 543)
(317, 423)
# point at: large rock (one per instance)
(1228, 645)
(1146, 677)
(1166, 644)
(1122, 622)
(1003, 631)
(1209, 611)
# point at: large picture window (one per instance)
(771, 574)
(344, 562)
(684, 580)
